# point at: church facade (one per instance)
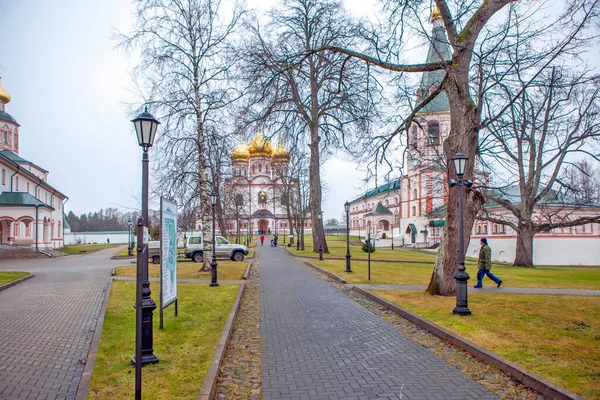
(31, 210)
(256, 188)
(412, 209)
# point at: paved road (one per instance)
(319, 344)
(47, 323)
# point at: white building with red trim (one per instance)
(31, 210)
(412, 209)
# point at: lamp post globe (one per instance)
(213, 261)
(461, 276)
(347, 209)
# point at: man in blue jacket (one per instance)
(485, 264)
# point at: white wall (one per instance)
(546, 250)
(97, 237)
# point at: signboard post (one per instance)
(168, 256)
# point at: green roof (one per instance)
(388, 187)
(411, 227)
(380, 209)
(20, 199)
(13, 157)
(7, 117)
(438, 51)
(440, 223)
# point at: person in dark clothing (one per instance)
(485, 264)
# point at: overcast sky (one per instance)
(69, 87)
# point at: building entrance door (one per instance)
(262, 225)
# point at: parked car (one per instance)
(223, 248)
(154, 251)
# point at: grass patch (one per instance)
(556, 337)
(226, 270)
(7, 277)
(184, 347)
(420, 274)
(86, 248)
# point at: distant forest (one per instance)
(110, 219)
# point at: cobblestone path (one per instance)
(318, 343)
(47, 324)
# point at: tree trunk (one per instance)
(318, 235)
(524, 255)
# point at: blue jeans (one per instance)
(487, 272)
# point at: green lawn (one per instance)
(184, 347)
(420, 274)
(86, 248)
(7, 277)
(226, 270)
(556, 337)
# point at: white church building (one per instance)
(31, 210)
(412, 209)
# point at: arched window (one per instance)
(252, 169)
(3, 176)
(239, 200)
(414, 194)
(414, 211)
(495, 228)
(433, 133)
(259, 167)
(485, 229)
(27, 187)
(413, 139)
(479, 229)
(17, 184)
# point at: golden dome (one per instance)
(4, 97)
(435, 14)
(240, 153)
(281, 153)
(260, 146)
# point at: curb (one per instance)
(324, 271)
(84, 383)
(209, 386)
(533, 381)
(13, 283)
(247, 273)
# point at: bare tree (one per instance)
(582, 180)
(478, 43)
(185, 60)
(316, 99)
(553, 118)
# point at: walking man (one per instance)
(485, 264)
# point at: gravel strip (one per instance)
(490, 377)
(240, 375)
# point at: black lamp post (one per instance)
(320, 218)
(145, 129)
(347, 208)
(461, 275)
(129, 241)
(213, 261)
(392, 238)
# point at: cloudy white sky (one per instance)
(69, 87)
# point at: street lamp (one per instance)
(461, 275)
(145, 128)
(320, 217)
(213, 261)
(347, 208)
(129, 241)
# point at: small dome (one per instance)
(435, 14)
(4, 97)
(240, 153)
(260, 146)
(281, 153)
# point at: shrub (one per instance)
(368, 247)
(384, 236)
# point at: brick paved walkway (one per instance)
(492, 289)
(319, 344)
(47, 324)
